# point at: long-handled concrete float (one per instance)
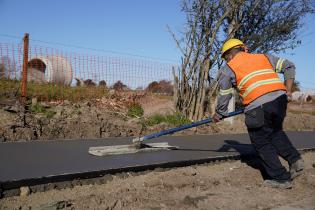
(138, 145)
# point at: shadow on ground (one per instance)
(247, 153)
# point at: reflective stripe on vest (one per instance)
(226, 92)
(255, 76)
(279, 65)
(261, 82)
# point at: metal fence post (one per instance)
(25, 61)
(24, 78)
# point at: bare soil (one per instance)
(107, 117)
(228, 185)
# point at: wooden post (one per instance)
(24, 72)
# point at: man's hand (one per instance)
(216, 118)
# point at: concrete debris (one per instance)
(25, 191)
(56, 205)
(34, 101)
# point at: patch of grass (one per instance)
(175, 119)
(37, 108)
(155, 119)
(135, 110)
(51, 92)
(8, 88)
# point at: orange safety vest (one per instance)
(255, 76)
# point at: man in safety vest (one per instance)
(265, 98)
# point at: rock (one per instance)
(43, 121)
(39, 116)
(216, 182)
(45, 105)
(12, 109)
(59, 111)
(25, 208)
(88, 104)
(25, 191)
(24, 133)
(2, 139)
(77, 105)
(313, 165)
(66, 102)
(56, 205)
(34, 101)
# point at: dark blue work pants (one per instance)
(266, 133)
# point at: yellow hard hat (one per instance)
(229, 44)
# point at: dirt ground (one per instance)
(227, 185)
(108, 118)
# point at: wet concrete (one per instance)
(31, 163)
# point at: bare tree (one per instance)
(264, 25)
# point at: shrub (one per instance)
(9, 88)
(162, 86)
(89, 83)
(37, 108)
(177, 119)
(155, 119)
(153, 87)
(119, 86)
(166, 87)
(135, 110)
(102, 83)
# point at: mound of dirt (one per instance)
(71, 121)
(107, 117)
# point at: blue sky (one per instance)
(135, 27)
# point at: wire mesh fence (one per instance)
(51, 71)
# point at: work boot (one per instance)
(296, 168)
(277, 184)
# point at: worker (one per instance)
(265, 97)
